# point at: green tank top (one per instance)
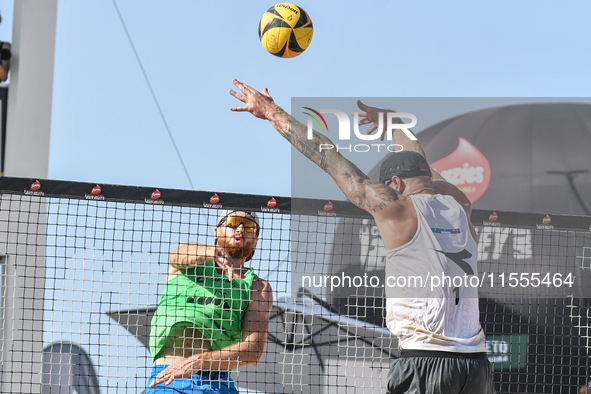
(204, 299)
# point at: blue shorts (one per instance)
(201, 382)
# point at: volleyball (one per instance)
(285, 30)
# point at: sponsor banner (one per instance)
(467, 168)
(307, 206)
(529, 220)
(145, 195)
(326, 208)
(507, 351)
(271, 206)
(34, 190)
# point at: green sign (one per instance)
(507, 351)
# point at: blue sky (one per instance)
(106, 126)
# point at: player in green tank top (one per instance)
(213, 315)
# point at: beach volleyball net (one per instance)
(84, 266)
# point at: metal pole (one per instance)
(569, 177)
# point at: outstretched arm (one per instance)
(372, 196)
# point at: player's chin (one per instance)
(239, 251)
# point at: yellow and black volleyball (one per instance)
(285, 30)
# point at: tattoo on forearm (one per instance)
(297, 134)
(365, 193)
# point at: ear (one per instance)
(401, 186)
(398, 184)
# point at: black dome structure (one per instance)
(539, 155)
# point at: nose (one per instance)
(240, 228)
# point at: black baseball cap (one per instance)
(405, 164)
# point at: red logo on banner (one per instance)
(328, 207)
(96, 190)
(155, 194)
(271, 203)
(36, 185)
(214, 199)
(546, 220)
(493, 217)
(467, 168)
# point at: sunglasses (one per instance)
(250, 226)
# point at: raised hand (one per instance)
(372, 115)
(259, 104)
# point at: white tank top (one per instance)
(448, 320)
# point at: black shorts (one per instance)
(429, 372)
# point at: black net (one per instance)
(84, 267)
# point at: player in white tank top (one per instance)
(444, 340)
(442, 246)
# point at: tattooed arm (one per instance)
(372, 196)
